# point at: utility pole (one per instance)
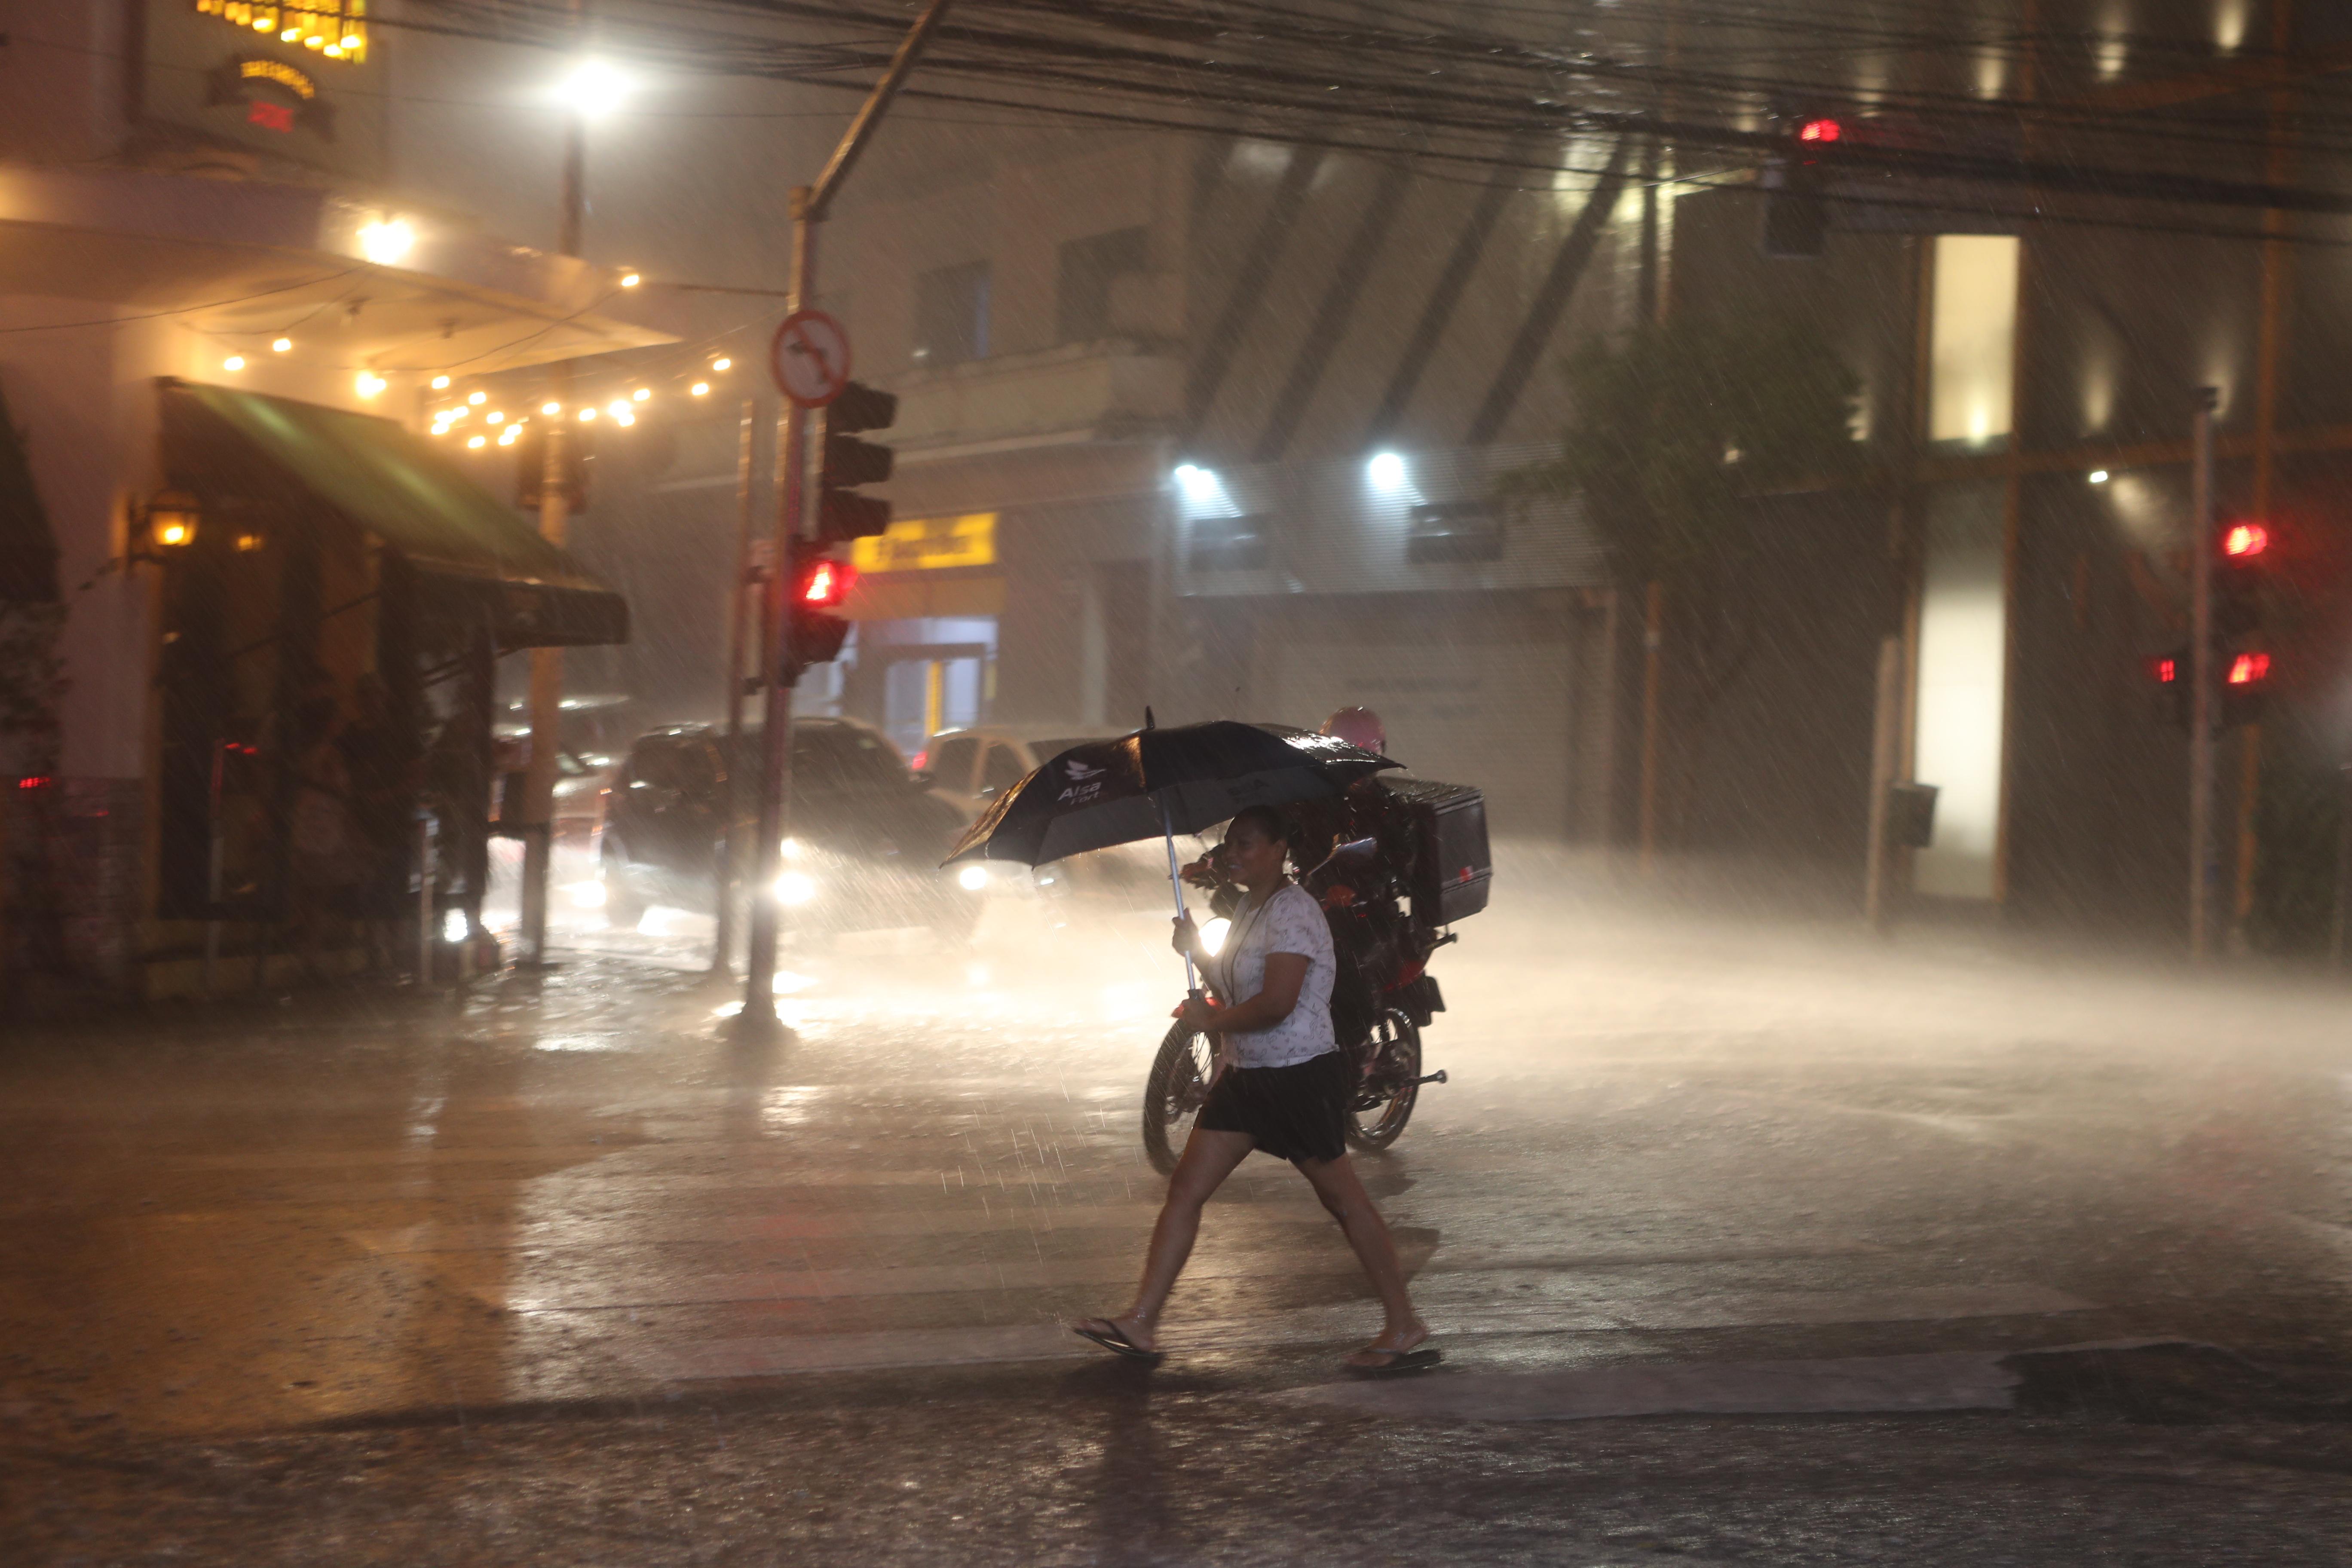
(554, 510)
(2200, 676)
(810, 205)
(731, 869)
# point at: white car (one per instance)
(970, 768)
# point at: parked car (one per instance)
(970, 767)
(862, 847)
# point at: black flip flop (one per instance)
(1418, 1359)
(1116, 1342)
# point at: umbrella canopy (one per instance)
(1160, 782)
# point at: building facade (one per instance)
(219, 334)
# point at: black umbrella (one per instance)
(1156, 784)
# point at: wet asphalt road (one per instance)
(1736, 1228)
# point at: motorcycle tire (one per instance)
(1174, 1093)
(1390, 1084)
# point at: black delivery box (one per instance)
(1453, 869)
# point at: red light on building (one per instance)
(2245, 539)
(1821, 131)
(827, 583)
(2166, 671)
(2249, 669)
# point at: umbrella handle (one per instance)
(1176, 881)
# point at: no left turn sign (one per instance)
(810, 358)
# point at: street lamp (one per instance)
(595, 89)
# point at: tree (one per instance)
(1679, 426)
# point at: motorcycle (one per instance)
(1382, 997)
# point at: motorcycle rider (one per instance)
(1365, 811)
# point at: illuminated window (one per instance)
(1963, 662)
(1972, 337)
(335, 29)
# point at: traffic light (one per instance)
(2242, 663)
(813, 634)
(847, 462)
(1796, 213)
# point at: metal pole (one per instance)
(424, 878)
(2200, 676)
(738, 615)
(776, 721)
(547, 663)
(809, 204)
(1877, 906)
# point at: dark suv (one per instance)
(863, 841)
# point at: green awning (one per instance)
(391, 482)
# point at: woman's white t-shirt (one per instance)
(1289, 922)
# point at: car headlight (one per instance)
(1212, 936)
(973, 878)
(795, 888)
(791, 849)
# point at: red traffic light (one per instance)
(2244, 541)
(824, 584)
(1819, 129)
(2249, 669)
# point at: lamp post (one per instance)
(592, 88)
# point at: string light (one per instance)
(368, 384)
(630, 279)
(624, 417)
(722, 364)
(478, 398)
(642, 393)
(586, 415)
(496, 417)
(234, 362)
(478, 441)
(281, 345)
(551, 408)
(699, 388)
(439, 382)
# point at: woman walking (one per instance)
(1282, 1086)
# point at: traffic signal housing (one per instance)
(1796, 211)
(845, 462)
(813, 634)
(2243, 662)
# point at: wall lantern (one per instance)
(172, 518)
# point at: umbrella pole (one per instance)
(1176, 881)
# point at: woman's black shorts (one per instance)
(1294, 1112)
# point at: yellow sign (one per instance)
(929, 543)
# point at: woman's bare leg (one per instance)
(1208, 1159)
(1336, 1183)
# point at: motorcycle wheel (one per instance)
(1391, 1084)
(1174, 1095)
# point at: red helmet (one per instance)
(1359, 727)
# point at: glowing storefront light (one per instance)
(1973, 338)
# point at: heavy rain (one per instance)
(1207, 782)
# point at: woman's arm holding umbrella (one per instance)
(1285, 975)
